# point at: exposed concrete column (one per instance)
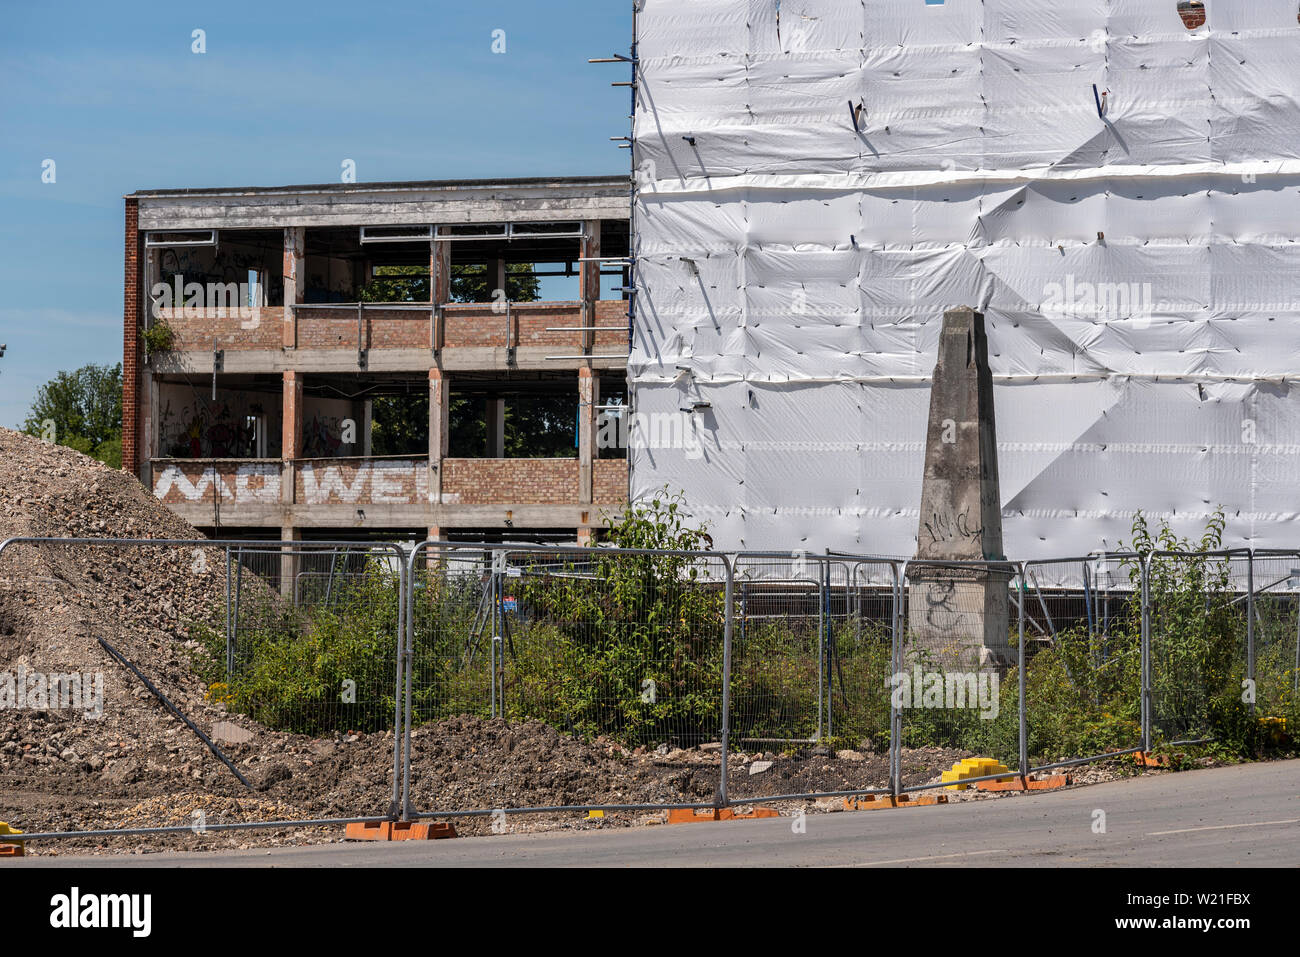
(589, 280)
(497, 276)
(439, 430)
(367, 427)
(496, 428)
(288, 560)
(290, 445)
(588, 399)
(295, 280)
(290, 433)
(440, 290)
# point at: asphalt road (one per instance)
(1247, 815)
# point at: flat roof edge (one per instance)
(382, 187)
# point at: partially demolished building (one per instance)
(398, 359)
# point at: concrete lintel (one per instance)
(385, 204)
(392, 516)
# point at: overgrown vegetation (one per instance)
(328, 664)
(158, 337)
(631, 646)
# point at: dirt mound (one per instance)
(56, 601)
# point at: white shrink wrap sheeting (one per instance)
(1139, 269)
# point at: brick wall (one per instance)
(362, 482)
(609, 482)
(467, 326)
(477, 325)
(131, 337)
(380, 328)
(507, 481)
(225, 329)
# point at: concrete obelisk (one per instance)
(958, 613)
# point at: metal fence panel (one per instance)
(1083, 647)
(958, 686)
(230, 699)
(623, 648)
(1201, 632)
(1276, 659)
(813, 651)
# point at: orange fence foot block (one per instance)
(412, 831)
(689, 816)
(1145, 760)
(383, 831)
(872, 802)
(399, 831)
(11, 850)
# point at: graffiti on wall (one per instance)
(322, 437)
(190, 426)
(195, 429)
(249, 484)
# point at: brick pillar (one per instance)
(131, 338)
(439, 430)
(295, 281)
(290, 434)
(588, 399)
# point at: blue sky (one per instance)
(285, 92)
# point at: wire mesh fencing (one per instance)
(1200, 622)
(598, 662)
(812, 653)
(779, 657)
(261, 684)
(958, 686)
(1275, 663)
(1083, 658)
(195, 678)
(312, 642)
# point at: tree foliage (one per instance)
(85, 408)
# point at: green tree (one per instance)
(85, 410)
(468, 283)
